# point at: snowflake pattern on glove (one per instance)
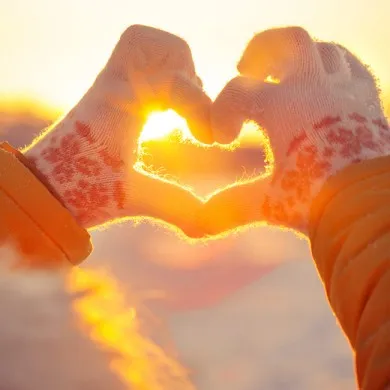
(344, 142)
(89, 197)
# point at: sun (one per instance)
(160, 124)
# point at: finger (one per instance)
(364, 81)
(331, 56)
(159, 199)
(235, 206)
(149, 50)
(188, 99)
(358, 69)
(334, 62)
(242, 99)
(146, 55)
(281, 53)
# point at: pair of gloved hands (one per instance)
(323, 115)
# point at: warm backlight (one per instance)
(161, 124)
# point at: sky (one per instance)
(52, 50)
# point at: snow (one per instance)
(264, 331)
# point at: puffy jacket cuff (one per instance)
(33, 219)
(350, 242)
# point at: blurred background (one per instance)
(245, 312)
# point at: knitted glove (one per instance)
(87, 158)
(323, 115)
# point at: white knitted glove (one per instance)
(88, 156)
(322, 116)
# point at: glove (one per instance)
(322, 115)
(88, 157)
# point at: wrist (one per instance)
(353, 141)
(51, 165)
(59, 159)
(81, 162)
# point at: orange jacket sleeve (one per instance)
(350, 241)
(32, 220)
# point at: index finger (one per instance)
(179, 93)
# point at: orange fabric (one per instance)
(350, 241)
(33, 220)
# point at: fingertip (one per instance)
(198, 121)
(230, 110)
(224, 136)
(202, 133)
(226, 127)
(278, 50)
(332, 58)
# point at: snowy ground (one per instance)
(273, 331)
(275, 334)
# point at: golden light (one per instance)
(160, 124)
(24, 105)
(108, 319)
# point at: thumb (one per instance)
(156, 198)
(235, 206)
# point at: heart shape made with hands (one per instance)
(322, 114)
(91, 157)
(167, 137)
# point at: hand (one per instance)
(323, 115)
(88, 157)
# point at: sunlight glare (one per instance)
(161, 124)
